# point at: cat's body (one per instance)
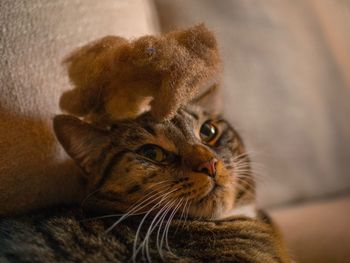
(60, 235)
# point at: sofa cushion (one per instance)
(318, 231)
(286, 87)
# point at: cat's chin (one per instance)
(216, 202)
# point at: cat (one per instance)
(183, 186)
(194, 166)
(64, 235)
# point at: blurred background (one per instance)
(285, 85)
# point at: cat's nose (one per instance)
(208, 167)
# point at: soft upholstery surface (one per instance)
(286, 87)
(317, 232)
(35, 37)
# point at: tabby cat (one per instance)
(177, 191)
(193, 169)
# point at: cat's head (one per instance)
(195, 163)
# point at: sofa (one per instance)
(285, 86)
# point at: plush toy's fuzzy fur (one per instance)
(116, 79)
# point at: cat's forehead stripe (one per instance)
(149, 129)
(184, 127)
(107, 170)
(191, 113)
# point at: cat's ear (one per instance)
(83, 142)
(210, 99)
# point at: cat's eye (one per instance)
(208, 131)
(153, 152)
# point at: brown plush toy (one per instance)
(116, 79)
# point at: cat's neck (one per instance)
(247, 210)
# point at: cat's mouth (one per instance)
(214, 188)
(215, 196)
(211, 192)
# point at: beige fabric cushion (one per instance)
(35, 36)
(317, 232)
(286, 87)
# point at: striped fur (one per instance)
(60, 235)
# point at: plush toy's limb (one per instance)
(195, 65)
(200, 41)
(89, 68)
(77, 102)
(125, 104)
(164, 105)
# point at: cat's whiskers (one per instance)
(243, 169)
(88, 196)
(166, 230)
(182, 214)
(167, 207)
(142, 200)
(137, 207)
(240, 157)
(244, 176)
(109, 216)
(250, 163)
(248, 174)
(153, 225)
(251, 153)
(247, 189)
(168, 226)
(164, 189)
(135, 250)
(187, 213)
(244, 172)
(159, 231)
(161, 215)
(242, 164)
(99, 189)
